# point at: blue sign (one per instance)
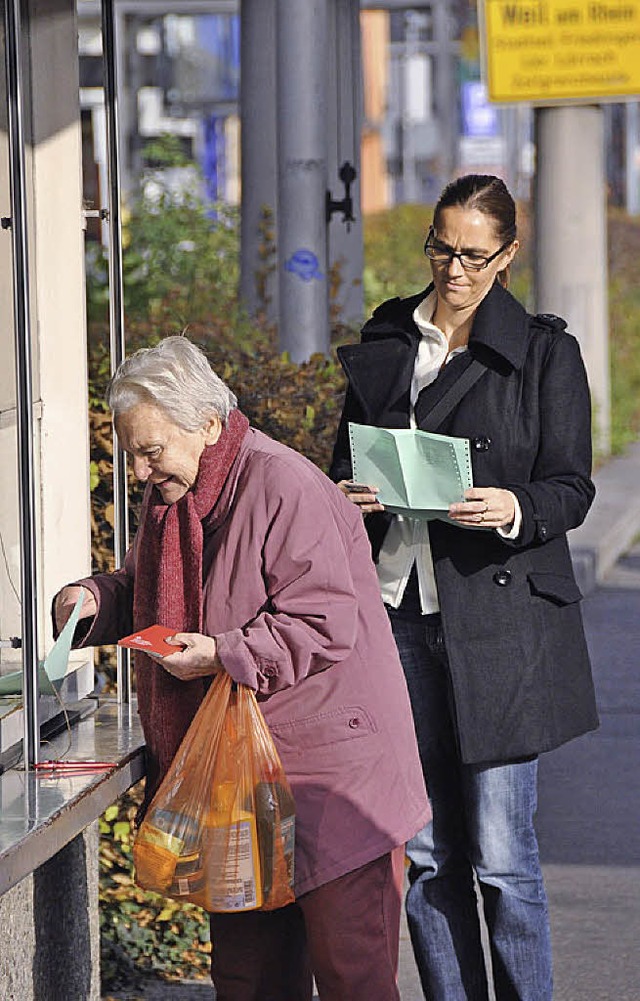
(479, 118)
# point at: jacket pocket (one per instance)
(558, 587)
(346, 723)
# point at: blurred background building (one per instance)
(425, 114)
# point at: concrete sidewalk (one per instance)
(613, 521)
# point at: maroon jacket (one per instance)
(292, 598)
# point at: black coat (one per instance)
(510, 609)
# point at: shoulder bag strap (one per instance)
(434, 417)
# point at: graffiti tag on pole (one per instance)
(305, 265)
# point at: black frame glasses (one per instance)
(441, 254)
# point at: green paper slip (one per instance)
(56, 663)
(419, 474)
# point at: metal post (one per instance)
(571, 239)
(258, 289)
(302, 177)
(22, 321)
(116, 308)
(631, 167)
(410, 194)
(445, 89)
(344, 125)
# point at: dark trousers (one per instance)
(345, 934)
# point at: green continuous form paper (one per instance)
(419, 474)
(55, 666)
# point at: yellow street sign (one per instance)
(561, 51)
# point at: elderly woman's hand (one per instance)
(361, 494)
(65, 602)
(490, 507)
(197, 657)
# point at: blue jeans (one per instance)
(483, 824)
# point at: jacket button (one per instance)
(502, 578)
(270, 672)
(482, 444)
(543, 531)
(354, 722)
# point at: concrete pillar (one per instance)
(571, 239)
(50, 948)
(67, 929)
(302, 177)
(258, 285)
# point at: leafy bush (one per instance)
(141, 932)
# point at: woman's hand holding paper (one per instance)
(490, 507)
(197, 658)
(361, 494)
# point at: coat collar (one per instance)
(500, 324)
(379, 369)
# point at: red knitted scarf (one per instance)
(168, 590)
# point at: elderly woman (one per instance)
(264, 570)
(484, 604)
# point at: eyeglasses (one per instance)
(439, 253)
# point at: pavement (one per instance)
(613, 521)
(592, 868)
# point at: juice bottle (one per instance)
(275, 814)
(164, 849)
(231, 860)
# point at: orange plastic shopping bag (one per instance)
(220, 830)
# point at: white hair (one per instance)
(176, 377)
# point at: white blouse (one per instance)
(407, 540)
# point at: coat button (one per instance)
(543, 531)
(354, 722)
(270, 672)
(502, 578)
(482, 444)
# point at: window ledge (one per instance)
(39, 816)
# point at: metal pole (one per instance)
(116, 308)
(409, 172)
(28, 561)
(344, 123)
(302, 177)
(445, 89)
(258, 287)
(631, 171)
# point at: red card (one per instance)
(151, 640)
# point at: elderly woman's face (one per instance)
(162, 452)
(467, 231)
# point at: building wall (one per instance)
(58, 346)
(375, 191)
